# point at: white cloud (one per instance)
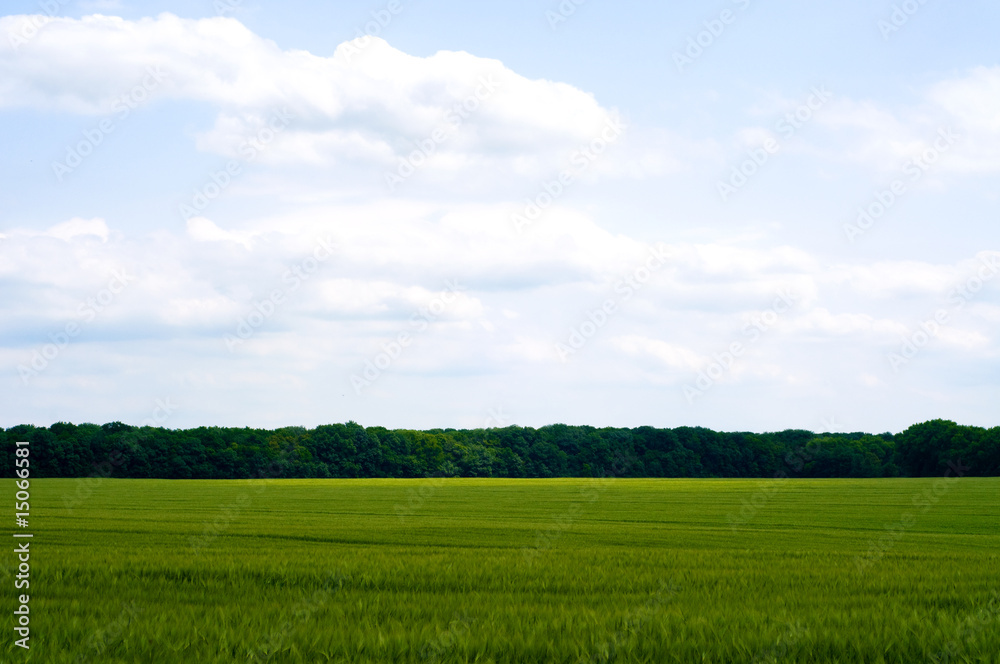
(887, 138)
(673, 356)
(189, 294)
(352, 118)
(974, 102)
(373, 110)
(892, 279)
(68, 230)
(821, 320)
(205, 230)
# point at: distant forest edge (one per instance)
(934, 448)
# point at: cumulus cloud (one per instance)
(676, 357)
(376, 108)
(67, 230)
(184, 287)
(326, 277)
(888, 138)
(205, 230)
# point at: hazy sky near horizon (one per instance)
(744, 215)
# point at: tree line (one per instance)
(350, 450)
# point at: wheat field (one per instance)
(501, 570)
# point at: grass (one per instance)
(560, 570)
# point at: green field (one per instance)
(479, 570)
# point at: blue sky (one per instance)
(240, 213)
